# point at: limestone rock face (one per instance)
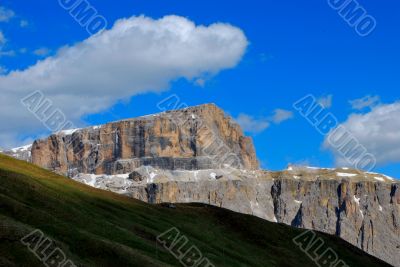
(361, 208)
(201, 137)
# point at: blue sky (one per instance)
(295, 48)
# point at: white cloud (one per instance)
(325, 101)
(365, 102)
(2, 39)
(201, 82)
(137, 55)
(378, 131)
(8, 53)
(281, 115)
(6, 14)
(23, 23)
(251, 125)
(42, 52)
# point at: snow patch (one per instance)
(298, 201)
(380, 208)
(357, 200)
(388, 177)
(343, 174)
(379, 179)
(69, 132)
(151, 176)
(213, 175)
(21, 148)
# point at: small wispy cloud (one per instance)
(9, 53)
(281, 115)
(6, 14)
(252, 125)
(325, 101)
(201, 82)
(3, 39)
(42, 52)
(264, 57)
(365, 102)
(23, 23)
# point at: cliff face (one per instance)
(361, 208)
(195, 138)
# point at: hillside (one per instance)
(99, 228)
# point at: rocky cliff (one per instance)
(201, 137)
(362, 208)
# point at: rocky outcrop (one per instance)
(362, 208)
(201, 137)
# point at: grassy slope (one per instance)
(98, 228)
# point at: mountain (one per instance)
(200, 155)
(99, 228)
(193, 138)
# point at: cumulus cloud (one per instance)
(252, 125)
(6, 14)
(365, 102)
(137, 55)
(378, 131)
(281, 115)
(325, 101)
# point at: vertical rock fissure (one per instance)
(339, 210)
(276, 191)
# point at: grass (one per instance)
(99, 228)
